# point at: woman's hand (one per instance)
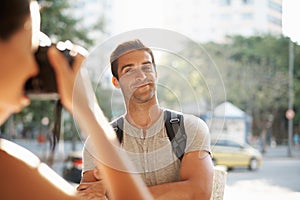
(65, 74)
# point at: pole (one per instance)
(291, 95)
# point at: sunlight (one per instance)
(290, 16)
(56, 180)
(20, 153)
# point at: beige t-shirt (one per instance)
(153, 156)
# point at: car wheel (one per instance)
(253, 165)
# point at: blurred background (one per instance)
(254, 46)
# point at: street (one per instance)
(277, 179)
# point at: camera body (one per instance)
(43, 86)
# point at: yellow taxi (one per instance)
(232, 154)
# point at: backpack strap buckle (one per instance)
(174, 120)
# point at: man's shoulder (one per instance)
(116, 118)
(172, 111)
(186, 116)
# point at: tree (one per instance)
(255, 73)
(59, 24)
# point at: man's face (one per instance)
(137, 76)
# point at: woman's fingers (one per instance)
(66, 74)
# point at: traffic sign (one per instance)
(290, 114)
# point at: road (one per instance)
(277, 179)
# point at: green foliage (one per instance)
(255, 73)
(31, 117)
(58, 23)
(104, 96)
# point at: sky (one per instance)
(290, 19)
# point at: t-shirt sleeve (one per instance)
(88, 159)
(198, 136)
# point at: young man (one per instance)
(145, 138)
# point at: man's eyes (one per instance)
(127, 69)
(145, 68)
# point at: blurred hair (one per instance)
(124, 48)
(13, 14)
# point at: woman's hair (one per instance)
(13, 14)
(125, 48)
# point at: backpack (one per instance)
(175, 130)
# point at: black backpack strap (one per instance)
(118, 127)
(175, 130)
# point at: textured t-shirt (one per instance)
(153, 156)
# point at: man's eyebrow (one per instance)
(125, 66)
(147, 62)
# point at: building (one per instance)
(204, 20)
(245, 17)
(228, 121)
(201, 20)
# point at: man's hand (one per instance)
(92, 190)
(92, 186)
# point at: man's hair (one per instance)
(124, 48)
(13, 14)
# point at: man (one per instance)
(145, 138)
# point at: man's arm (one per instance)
(196, 176)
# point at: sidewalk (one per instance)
(281, 151)
(276, 180)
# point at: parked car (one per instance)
(232, 154)
(72, 167)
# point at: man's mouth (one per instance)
(142, 85)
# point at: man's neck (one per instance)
(143, 115)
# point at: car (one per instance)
(231, 154)
(72, 167)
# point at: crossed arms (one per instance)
(196, 178)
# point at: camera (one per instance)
(43, 86)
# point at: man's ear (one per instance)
(115, 82)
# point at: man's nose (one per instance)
(140, 74)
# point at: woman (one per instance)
(22, 175)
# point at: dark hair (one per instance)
(124, 48)
(13, 14)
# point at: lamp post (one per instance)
(290, 113)
(290, 15)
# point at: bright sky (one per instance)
(290, 19)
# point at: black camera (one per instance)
(43, 86)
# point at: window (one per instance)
(275, 6)
(247, 16)
(247, 2)
(224, 2)
(274, 20)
